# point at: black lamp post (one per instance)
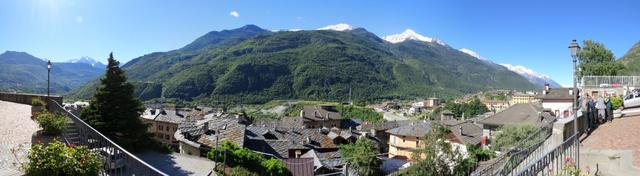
(574, 48)
(48, 80)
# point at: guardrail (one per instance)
(117, 161)
(610, 81)
(556, 162)
(515, 158)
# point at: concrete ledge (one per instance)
(609, 162)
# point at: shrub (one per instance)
(242, 157)
(616, 102)
(52, 124)
(37, 102)
(56, 159)
(241, 171)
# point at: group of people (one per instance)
(596, 110)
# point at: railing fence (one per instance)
(117, 161)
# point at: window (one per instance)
(417, 142)
(166, 136)
(159, 135)
(168, 128)
(160, 127)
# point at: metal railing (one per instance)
(610, 81)
(116, 160)
(520, 155)
(559, 161)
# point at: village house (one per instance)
(405, 139)
(463, 132)
(163, 124)
(317, 116)
(558, 100)
(199, 137)
(530, 113)
(431, 102)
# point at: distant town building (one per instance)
(522, 98)
(432, 102)
(496, 105)
(199, 137)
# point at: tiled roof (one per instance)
(556, 94)
(519, 113)
(318, 112)
(221, 130)
(286, 138)
(300, 166)
(415, 128)
(171, 116)
(471, 133)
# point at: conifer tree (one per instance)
(115, 112)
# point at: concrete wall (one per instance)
(26, 98)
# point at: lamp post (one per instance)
(574, 48)
(48, 81)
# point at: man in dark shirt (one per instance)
(592, 113)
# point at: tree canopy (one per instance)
(115, 112)
(511, 135)
(596, 60)
(470, 109)
(361, 156)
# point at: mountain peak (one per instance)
(86, 60)
(338, 27)
(409, 34)
(534, 77)
(473, 53)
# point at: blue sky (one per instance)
(534, 34)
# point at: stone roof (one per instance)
(415, 128)
(278, 140)
(318, 112)
(223, 129)
(209, 131)
(171, 116)
(471, 133)
(519, 113)
(556, 94)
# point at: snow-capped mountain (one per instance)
(409, 34)
(87, 60)
(473, 53)
(338, 27)
(534, 77)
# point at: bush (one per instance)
(56, 159)
(616, 102)
(37, 102)
(242, 157)
(52, 124)
(241, 171)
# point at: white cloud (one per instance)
(234, 14)
(79, 19)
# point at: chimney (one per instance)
(205, 126)
(301, 113)
(460, 129)
(546, 88)
(153, 111)
(308, 140)
(570, 91)
(541, 117)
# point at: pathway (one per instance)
(15, 136)
(614, 146)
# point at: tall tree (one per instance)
(362, 157)
(597, 60)
(115, 112)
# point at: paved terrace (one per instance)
(614, 146)
(16, 133)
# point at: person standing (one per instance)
(591, 111)
(601, 109)
(584, 109)
(609, 113)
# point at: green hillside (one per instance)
(254, 66)
(631, 60)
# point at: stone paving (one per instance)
(16, 133)
(178, 164)
(621, 134)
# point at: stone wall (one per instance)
(26, 98)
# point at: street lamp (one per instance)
(48, 81)
(574, 48)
